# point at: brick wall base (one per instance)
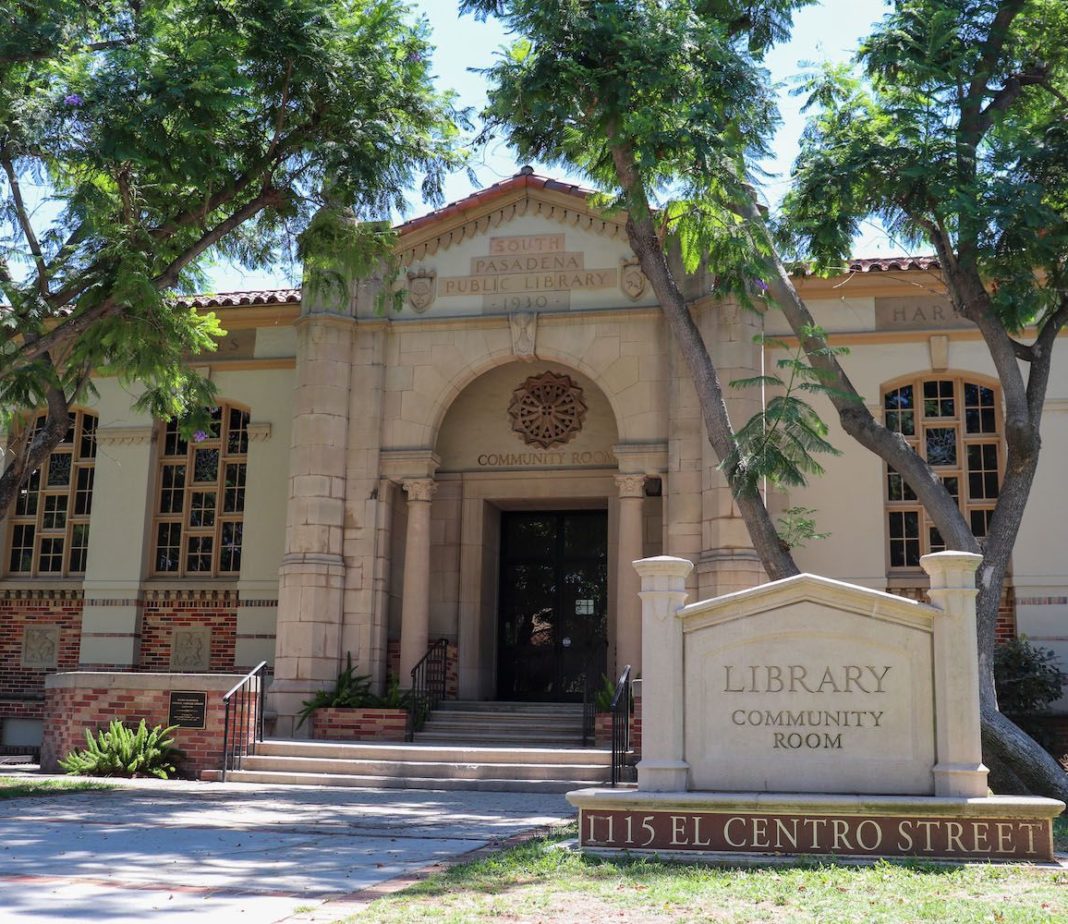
(77, 701)
(359, 724)
(452, 667)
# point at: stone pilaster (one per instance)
(727, 562)
(662, 767)
(311, 587)
(628, 550)
(959, 769)
(123, 487)
(366, 509)
(415, 603)
(257, 608)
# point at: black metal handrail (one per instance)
(620, 710)
(589, 712)
(243, 718)
(428, 686)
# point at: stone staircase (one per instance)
(493, 747)
(538, 725)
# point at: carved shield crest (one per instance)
(632, 280)
(422, 287)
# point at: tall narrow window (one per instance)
(200, 497)
(49, 533)
(954, 424)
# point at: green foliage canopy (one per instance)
(141, 138)
(954, 136)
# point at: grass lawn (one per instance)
(535, 883)
(12, 787)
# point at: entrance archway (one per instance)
(534, 495)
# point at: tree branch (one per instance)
(991, 52)
(108, 307)
(268, 197)
(1009, 93)
(26, 224)
(53, 51)
(853, 414)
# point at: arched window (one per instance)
(954, 422)
(49, 533)
(200, 497)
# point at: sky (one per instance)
(829, 31)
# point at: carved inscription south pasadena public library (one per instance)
(528, 273)
(792, 726)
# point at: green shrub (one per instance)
(603, 696)
(353, 691)
(1028, 678)
(121, 751)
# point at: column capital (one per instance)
(631, 485)
(419, 489)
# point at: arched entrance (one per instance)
(527, 478)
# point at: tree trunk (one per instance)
(36, 448)
(647, 246)
(1007, 744)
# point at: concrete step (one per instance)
(401, 782)
(493, 738)
(536, 725)
(495, 706)
(447, 753)
(426, 769)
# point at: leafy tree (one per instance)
(952, 139)
(140, 138)
(955, 137)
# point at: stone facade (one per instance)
(529, 371)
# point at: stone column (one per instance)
(663, 767)
(415, 603)
(629, 549)
(958, 769)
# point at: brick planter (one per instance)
(602, 726)
(359, 724)
(79, 700)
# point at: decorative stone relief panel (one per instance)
(40, 647)
(547, 410)
(191, 650)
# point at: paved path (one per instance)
(184, 852)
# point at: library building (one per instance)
(474, 473)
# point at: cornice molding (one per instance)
(258, 432)
(125, 436)
(555, 207)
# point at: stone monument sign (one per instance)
(813, 716)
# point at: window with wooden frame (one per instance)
(954, 422)
(48, 533)
(200, 497)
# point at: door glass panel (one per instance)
(553, 605)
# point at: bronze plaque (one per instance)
(188, 709)
(846, 835)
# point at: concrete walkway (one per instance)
(183, 852)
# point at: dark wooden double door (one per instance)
(553, 630)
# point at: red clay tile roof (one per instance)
(242, 299)
(526, 178)
(292, 296)
(892, 264)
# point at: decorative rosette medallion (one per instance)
(547, 410)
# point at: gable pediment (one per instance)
(805, 589)
(528, 244)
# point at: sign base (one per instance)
(688, 823)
